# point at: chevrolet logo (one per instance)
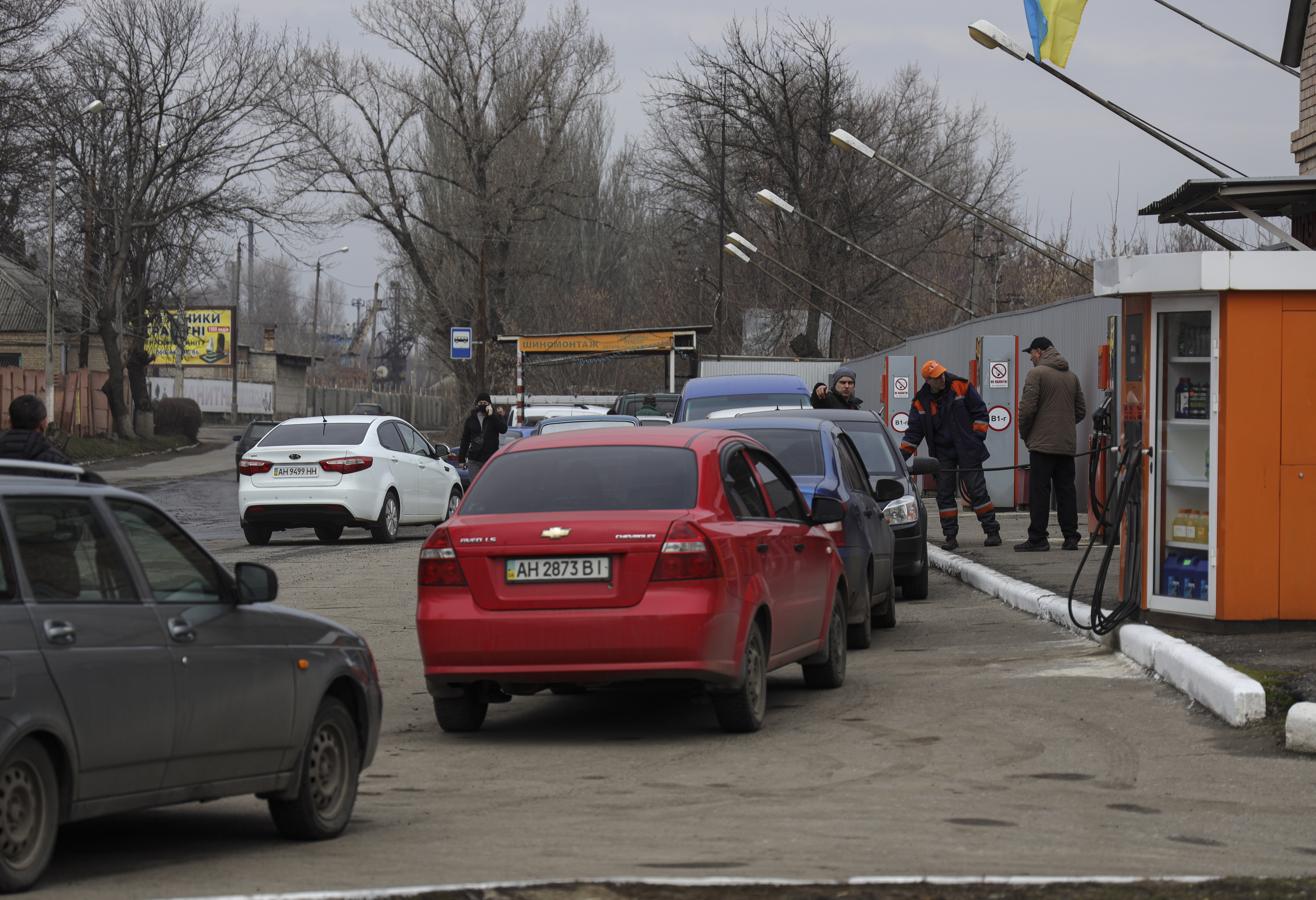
(555, 533)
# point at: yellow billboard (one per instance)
(616, 342)
(209, 337)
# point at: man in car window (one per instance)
(26, 438)
(649, 406)
(480, 433)
(950, 414)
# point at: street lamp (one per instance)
(993, 38)
(847, 141)
(768, 198)
(95, 106)
(739, 247)
(315, 306)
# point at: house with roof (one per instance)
(23, 324)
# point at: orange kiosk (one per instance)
(1215, 380)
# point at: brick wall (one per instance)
(1304, 139)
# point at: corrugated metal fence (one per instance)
(1078, 327)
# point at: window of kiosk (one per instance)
(1183, 458)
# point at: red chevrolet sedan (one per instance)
(596, 557)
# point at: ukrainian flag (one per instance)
(1053, 25)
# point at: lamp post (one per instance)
(738, 247)
(993, 38)
(768, 198)
(730, 249)
(315, 305)
(95, 106)
(847, 141)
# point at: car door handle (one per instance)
(799, 548)
(58, 632)
(868, 513)
(762, 548)
(181, 631)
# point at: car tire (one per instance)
(860, 635)
(830, 673)
(887, 618)
(328, 534)
(743, 710)
(460, 715)
(257, 535)
(915, 587)
(327, 777)
(385, 530)
(454, 499)
(29, 805)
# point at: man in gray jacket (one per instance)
(1051, 406)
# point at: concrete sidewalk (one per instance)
(1282, 661)
(214, 454)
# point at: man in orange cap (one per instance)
(951, 416)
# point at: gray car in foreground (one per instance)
(137, 671)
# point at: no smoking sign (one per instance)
(998, 374)
(900, 387)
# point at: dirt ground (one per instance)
(1225, 889)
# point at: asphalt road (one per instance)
(970, 740)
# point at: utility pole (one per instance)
(181, 336)
(975, 254)
(718, 311)
(251, 271)
(994, 260)
(50, 301)
(233, 331)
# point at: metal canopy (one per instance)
(1204, 200)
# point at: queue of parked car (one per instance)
(759, 533)
(594, 551)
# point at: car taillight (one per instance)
(438, 562)
(346, 464)
(254, 466)
(686, 554)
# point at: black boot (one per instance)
(950, 543)
(993, 539)
(1032, 547)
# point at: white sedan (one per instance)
(336, 472)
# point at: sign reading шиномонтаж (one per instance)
(597, 343)
(209, 340)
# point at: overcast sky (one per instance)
(1074, 157)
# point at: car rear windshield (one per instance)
(873, 446)
(798, 450)
(310, 434)
(551, 427)
(700, 407)
(572, 479)
(633, 405)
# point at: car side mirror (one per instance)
(237, 437)
(256, 583)
(889, 489)
(924, 465)
(827, 510)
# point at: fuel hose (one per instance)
(1125, 506)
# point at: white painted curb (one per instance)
(1231, 695)
(1300, 728)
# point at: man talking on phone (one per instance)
(480, 433)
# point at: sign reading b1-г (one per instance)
(998, 374)
(900, 422)
(999, 418)
(459, 340)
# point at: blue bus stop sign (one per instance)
(459, 340)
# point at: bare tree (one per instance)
(779, 90)
(188, 149)
(456, 152)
